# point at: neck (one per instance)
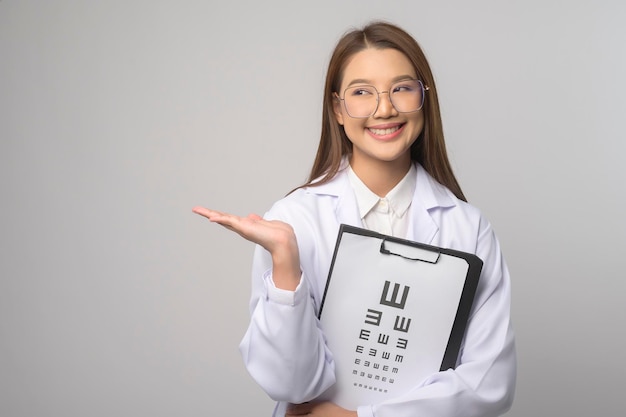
(381, 176)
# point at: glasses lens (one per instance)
(361, 101)
(407, 96)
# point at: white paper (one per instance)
(387, 319)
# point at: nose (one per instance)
(385, 107)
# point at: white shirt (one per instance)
(386, 215)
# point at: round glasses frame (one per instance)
(378, 93)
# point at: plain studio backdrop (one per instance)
(117, 117)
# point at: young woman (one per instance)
(381, 164)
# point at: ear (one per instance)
(337, 109)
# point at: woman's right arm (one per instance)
(283, 349)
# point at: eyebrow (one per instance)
(393, 80)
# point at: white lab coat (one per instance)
(284, 349)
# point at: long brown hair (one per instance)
(429, 149)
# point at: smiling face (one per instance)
(383, 139)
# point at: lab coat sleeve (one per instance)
(284, 349)
(483, 383)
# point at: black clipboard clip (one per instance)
(410, 252)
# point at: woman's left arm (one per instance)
(483, 383)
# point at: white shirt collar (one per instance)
(399, 198)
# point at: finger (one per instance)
(240, 225)
(215, 216)
(203, 211)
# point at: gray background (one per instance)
(116, 117)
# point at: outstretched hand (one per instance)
(268, 233)
(277, 237)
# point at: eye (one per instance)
(407, 87)
(364, 91)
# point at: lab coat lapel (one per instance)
(429, 195)
(422, 227)
(346, 209)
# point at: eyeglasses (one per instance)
(405, 96)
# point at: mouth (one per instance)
(385, 131)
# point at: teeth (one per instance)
(384, 131)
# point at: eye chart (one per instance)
(394, 312)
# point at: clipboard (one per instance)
(393, 313)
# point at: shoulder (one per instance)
(459, 223)
(297, 201)
(313, 198)
(436, 196)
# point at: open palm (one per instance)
(277, 237)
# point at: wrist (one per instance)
(286, 268)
